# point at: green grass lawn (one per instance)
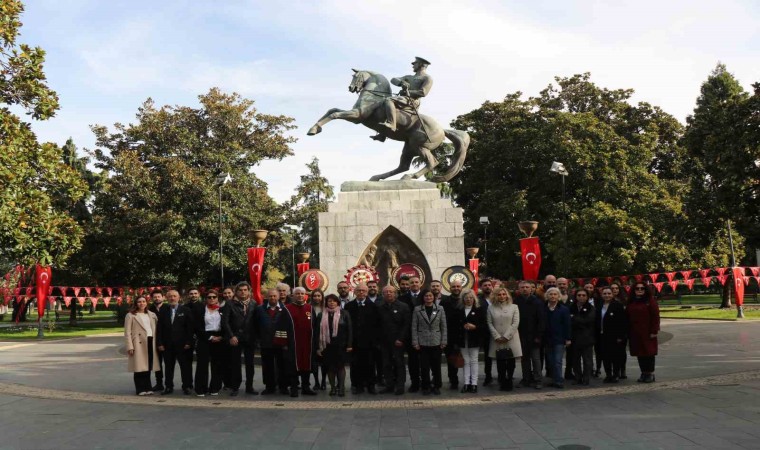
(703, 299)
(28, 331)
(707, 313)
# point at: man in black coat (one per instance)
(484, 295)
(395, 322)
(531, 329)
(410, 289)
(365, 319)
(264, 326)
(174, 340)
(449, 304)
(158, 305)
(236, 325)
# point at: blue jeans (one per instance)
(554, 354)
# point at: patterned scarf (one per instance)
(324, 326)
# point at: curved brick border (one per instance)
(20, 390)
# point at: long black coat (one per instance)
(532, 319)
(263, 326)
(582, 320)
(175, 334)
(238, 323)
(615, 324)
(366, 321)
(477, 317)
(449, 304)
(395, 322)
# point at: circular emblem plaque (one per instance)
(360, 274)
(409, 270)
(313, 279)
(458, 273)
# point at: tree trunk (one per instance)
(727, 291)
(73, 313)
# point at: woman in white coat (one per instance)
(503, 319)
(140, 332)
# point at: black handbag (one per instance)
(504, 354)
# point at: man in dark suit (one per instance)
(236, 325)
(264, 326)
(410, 289)
(374, 297)
(394, 335)
(158, 305)
(531, 329)
(449, 304)
(174, 340)
(486, 287)
(365, 318)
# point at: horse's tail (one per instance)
(461, 142)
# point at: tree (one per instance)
(312, 197)
(33, 227)
(156, 219)
(624, 191)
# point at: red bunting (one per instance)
(77, 290)
(654, 276)
(706, 281)
(722, 279)
(88, 290)
(639, 278)
(109, 291)
(690, 283)
(659, 286)
(580, 281)
(721, 270)
(94, 302)
(755, 271)
(627, 288)
(67, 301)
(118, 301)
(670, 276)
(673, 285)
(81, 300)
(703, 272)
(106, 301)
(624, 279)
(686, 274)
(594, 281)
(99, 291)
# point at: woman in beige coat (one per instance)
(503, 319)
(140, 332)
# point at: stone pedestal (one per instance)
(382, 223)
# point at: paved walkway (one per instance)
(76, 394)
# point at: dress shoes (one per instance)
(387, 390)
(186, 391)
(414, 388)
(158, 387)
(268, 391)
(294, 392)
(454, 386)
(234, 393)
(488, 381)
(284, 391)
(371, 389)
(167, 391)
(333, 391)
(465, 389)
(307, 391)
(436, 391)
(399, 391)
(251, 391)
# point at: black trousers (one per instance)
(208, 354)
(377, 355)
(430, 360)
(273, 368)
(413, 364)
(173, 355)
(393, 366)
(583, 362)
(302, 376)
(142, 379)
(569, 358)
(486, 359)
(612, 355)
(598, 353)
(235, 370)
(453, 371)
(646, 364)
(160, 371)
(362, 367)
(505, 368)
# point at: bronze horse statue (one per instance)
(421, 134)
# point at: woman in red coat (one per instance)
(644, 324)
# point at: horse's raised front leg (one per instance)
(317, 128)
(403, 165)
(430, 163)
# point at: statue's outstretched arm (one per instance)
(423, 90)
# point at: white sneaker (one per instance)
(214, 394)
(200, 395)
(143, 393)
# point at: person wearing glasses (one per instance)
(644, 325)
(209, 345)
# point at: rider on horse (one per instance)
(413, 87)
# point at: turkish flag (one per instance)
(255, 269)
(654, 276)
(722, 279)
(43, 277)
(673, 285)
(706, 281)
(531, 257)
(690, 283)
(670, 275)
(738, 273)
(302, 267)
(721, 270)
(658, 286)
(474, 263)
(686, 274)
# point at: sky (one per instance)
(295, 58)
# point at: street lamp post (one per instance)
(221, 180)
(484, 221)
(558, 167)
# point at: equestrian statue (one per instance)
(397, 117)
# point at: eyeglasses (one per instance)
(211, 296)
(640, 288)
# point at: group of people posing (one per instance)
(382, 336)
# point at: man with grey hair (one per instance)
(264, 327)
(395, 325)
(531, 329)
(365, 318)
(284, 291)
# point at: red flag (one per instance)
(255, 270)
(703, 272)
(673, 285)
(746, 281)
(738, 273)
(659, 286)
(580, 282)
(720, 270)
(94, 303)
(302, 267)
(686, 274)
(624, 279)
(706, 281)
(654, 276)
(88, 290)
(67, 301)
(109, 291)
(81, 300)
(594, 281)
(755, 271)
(531, 257)
(99, 291)
(43, 278)
(627, 288)
(639, 278)
(609, 280)
(690, 283)
(474, 263)
(670, 275)
(106, 301)
(722, 279)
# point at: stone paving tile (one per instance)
(303, 434)
(395, 443)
